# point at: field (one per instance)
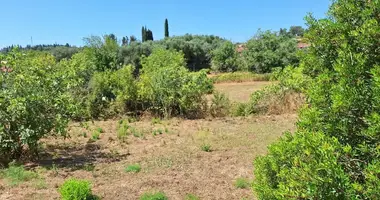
(178, 157)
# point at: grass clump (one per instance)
(95, 135)
(123, 130)
(133, 168)
(154, 196)
(74, 189)
(15, 175)
(206, 147)
(242, 183)
(191, 197)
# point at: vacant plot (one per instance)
(170, 153)
(241, 92)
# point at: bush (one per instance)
(341, 161)
(191, 197)
(220, 105)
(34, 102)
(224, 58)
(74, 189)
(154, 196)
(303, 166)
(167, 88)
(206, 147)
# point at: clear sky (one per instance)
(68, 21)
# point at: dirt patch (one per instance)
(172, 161)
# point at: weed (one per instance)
(240, 77)
(74, 189)
(191, 197)
(17, 174)
(166, 130)
(85, 125)
(220, 105)
(89, 167)
(242, 183)
(206, 147)
(156, 121)
(157, 131)
(100, 130)
(84, 134)
(133, 168)
(40, 184)
(95, 135)
(122, 130)
(154, 196)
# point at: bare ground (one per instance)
(171, 162)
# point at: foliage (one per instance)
(154, 196)
(73, 189)
(242, 183)
(220, 105)
(206, 147)
(240, 77)
(343, 110)
(167, 88)
(224, 58)
(34, 102)
(117, 88)
(16, 174)
(191, 197)
(166, 28)
(133, 168)
(123, 130)
(303, 166)
(268, 50)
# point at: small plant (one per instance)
(100, 130)
(122, 130)
(74, 189)
(17, 174)
(156, 120)
(166, 130)
(40, 184)
(96, 135)
(206, 147)
(133, 168)
(89, 167)
(154, 196)
(84, 134)
(220, 105)
(242, 183)
(191, 197)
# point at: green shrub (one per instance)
(303, 166)
(206, 147)
(74, 189)
(133, 168)
(100, 130)
(154, 196)
(15, 175)
(242, 183)
(343, 106)
(34, 102)
(167, 88)
(220, 105)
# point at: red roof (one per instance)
(302, 45)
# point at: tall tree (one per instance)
(166, 28)
(149, 35)
(132, 38)
(112, 36)
(297, 31)
(124, 41)
(143, 34)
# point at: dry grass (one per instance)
(241, 92)
(171, 162)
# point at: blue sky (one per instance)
(61, 21)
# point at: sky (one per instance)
(69, 21)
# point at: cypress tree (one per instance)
(143, 34)
(166, 28)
